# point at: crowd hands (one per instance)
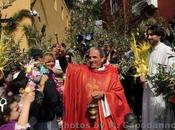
(31, 95)
(30, 91)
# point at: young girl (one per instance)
(21, 85)
(12, 117)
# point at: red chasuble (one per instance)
(79, 84)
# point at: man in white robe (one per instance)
(156, 113)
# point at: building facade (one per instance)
(140, 10)
(166, 9)
(113, 10)
(52, 14)
(15, 7)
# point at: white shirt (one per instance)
(160, 55)
(57, 65)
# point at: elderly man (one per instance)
(93, 96)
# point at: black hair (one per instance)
(6, 109)
(17, 67)
(20, 82)
(53, 47)
(157, 30)
(36, 53)
(2, 81)
(63, 45)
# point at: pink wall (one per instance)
(166, 9)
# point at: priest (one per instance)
(93, 95)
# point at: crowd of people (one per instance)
(52, 92)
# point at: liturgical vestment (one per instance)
(80, 82)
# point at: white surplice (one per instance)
(155, 112)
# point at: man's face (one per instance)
(94, 59)
(54, 52)
(152, 38)
(60, 49)
(107, 47)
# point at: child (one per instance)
(18, 87)
(11, 117)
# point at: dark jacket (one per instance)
(35, 108)
(52, 105)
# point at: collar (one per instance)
(102, 68)
(159, 44)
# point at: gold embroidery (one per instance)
(92, 86)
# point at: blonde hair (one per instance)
(48, 56)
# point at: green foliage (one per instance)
(164, 81)
(6, 4)
(82, 19)
(36, 39)
(140, 29)
(12, 26)
(125, 65)
(83, 16)
(31, 35)
(10, 52)
(172, 35)
(22, 14)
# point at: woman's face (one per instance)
(15, 111)
(49, 62)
